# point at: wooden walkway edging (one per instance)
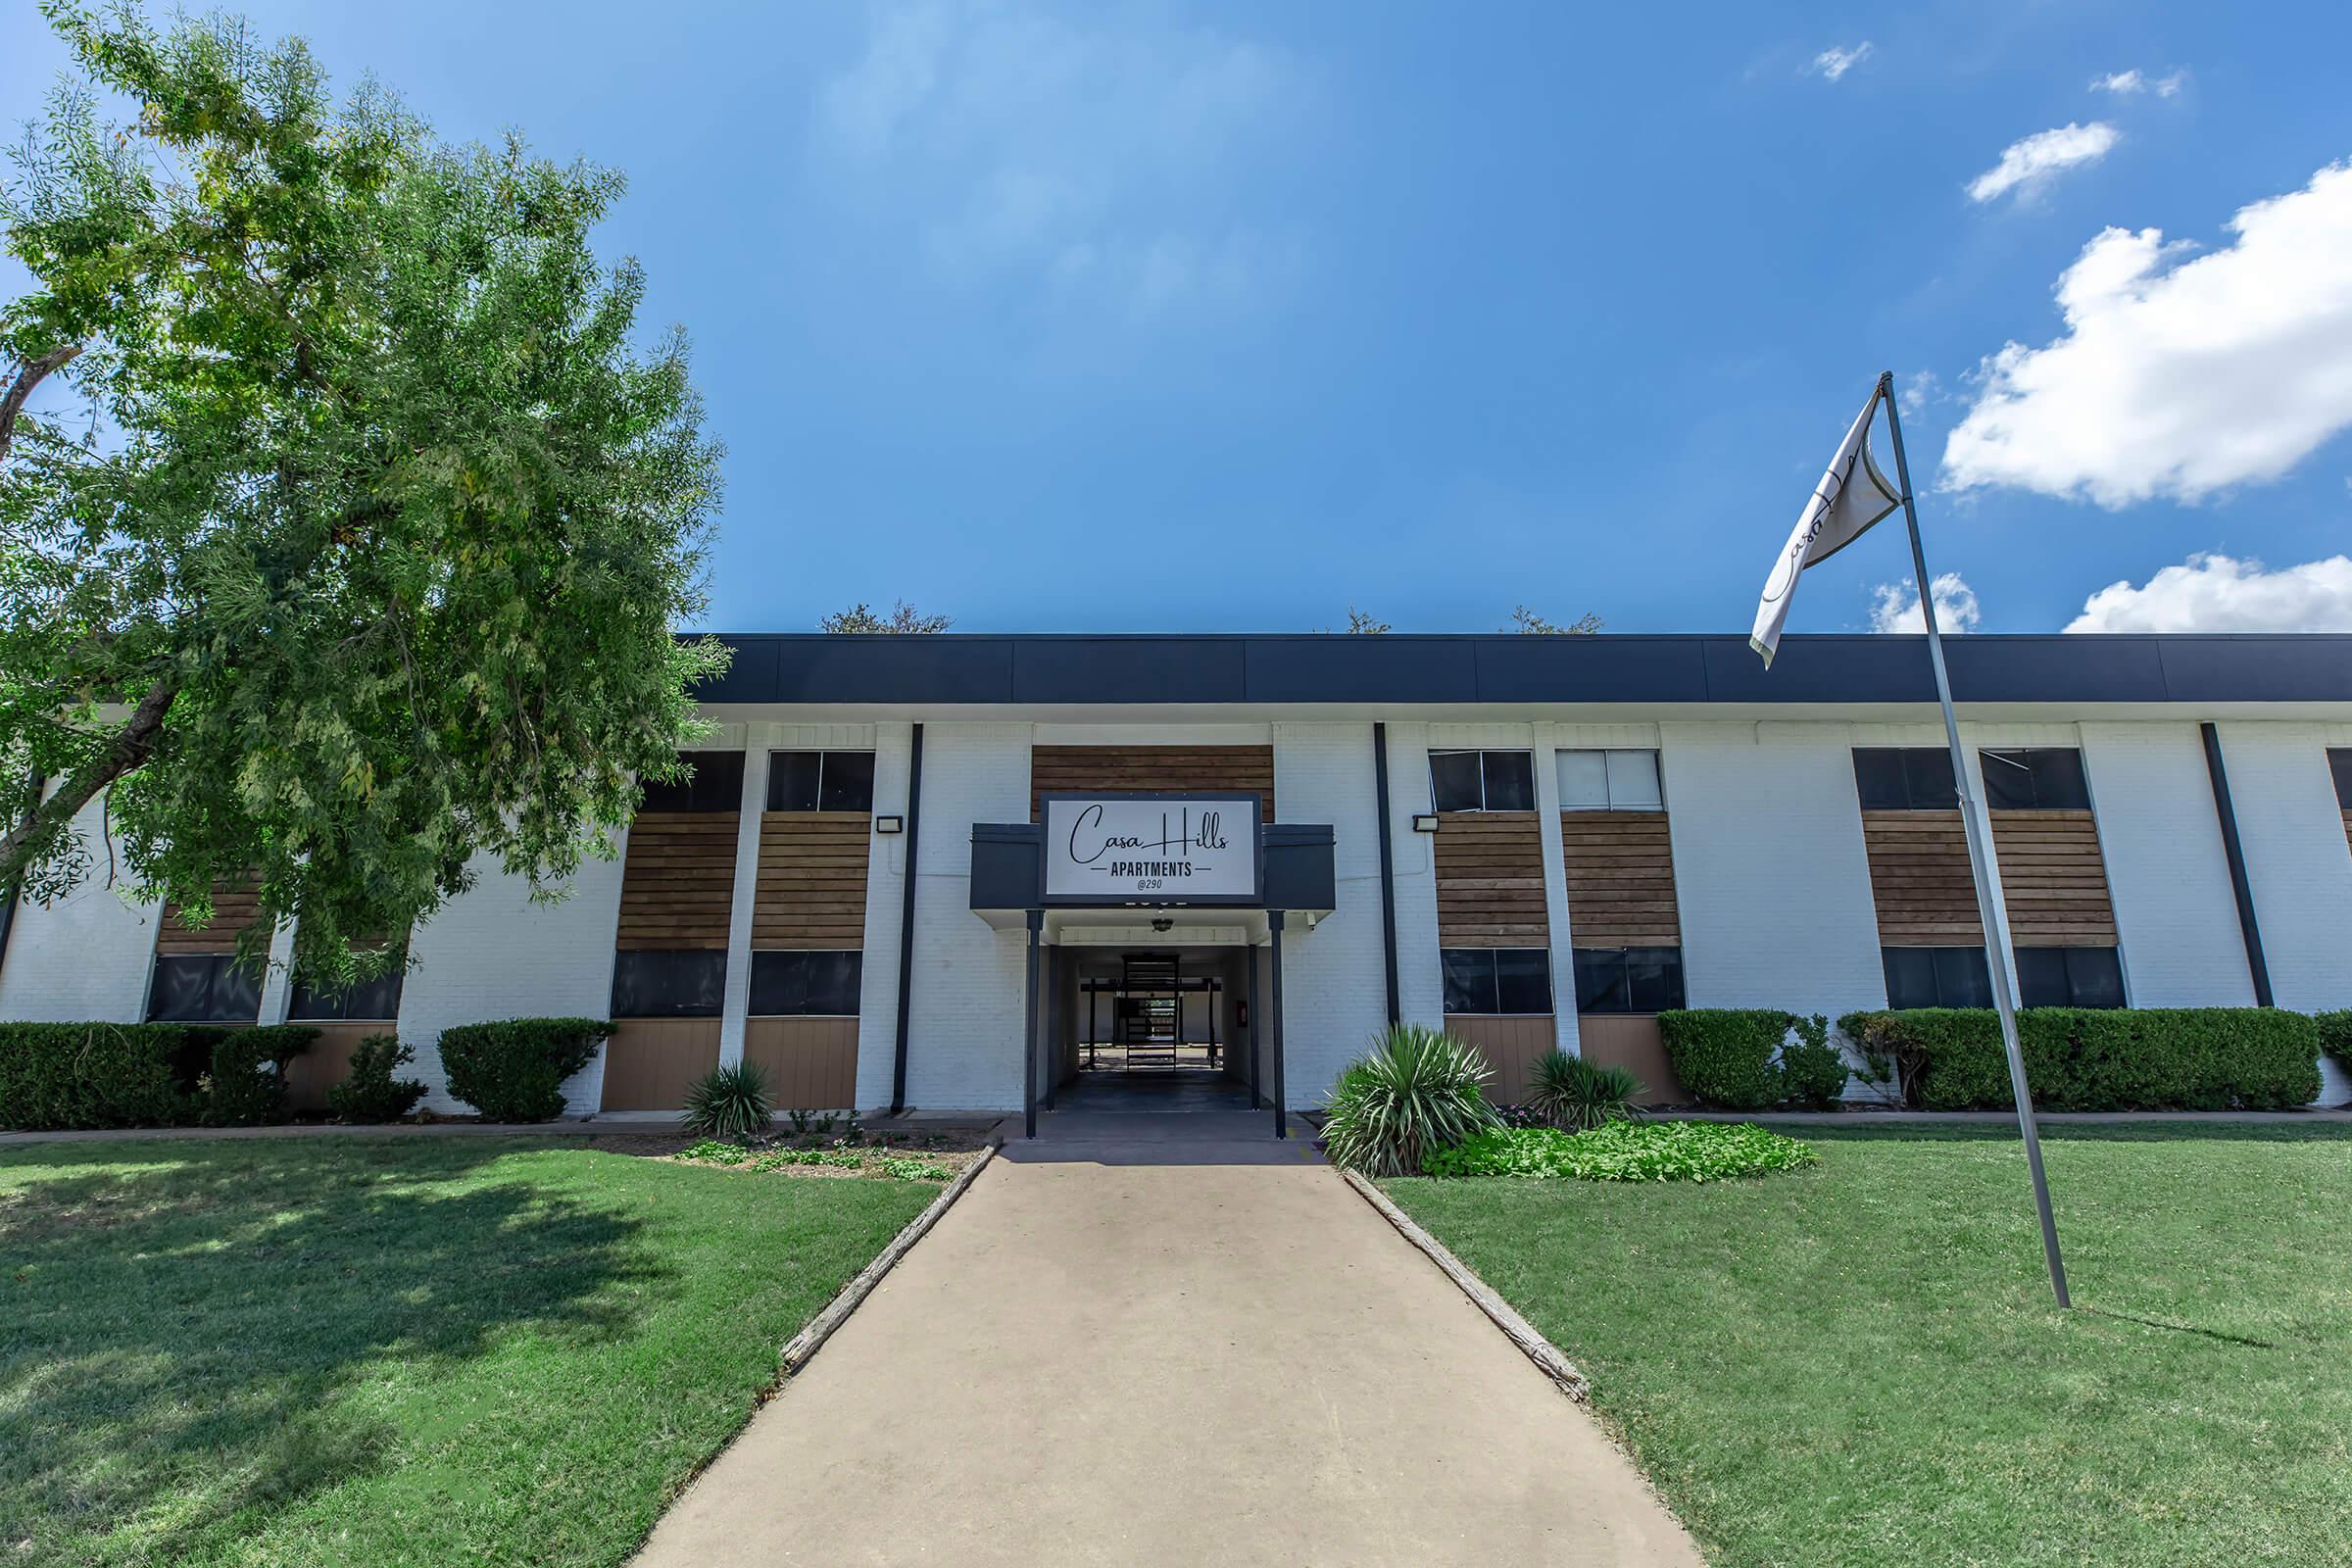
(819, 1329)
(1520, 1332)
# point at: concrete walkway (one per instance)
(1167, 1339)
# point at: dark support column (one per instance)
(2255, 967)
(914, 830)
(1051, 1047)
(1387, 866)
(1037, 925)
(1282, 1108)
(1258, 1102)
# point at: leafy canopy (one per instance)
(343, 523)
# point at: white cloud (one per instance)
(1895, 605)
(1918, 390)
(2177, 378)
(2028, 164)
(1086, 153)
(1835, 63)
(2220, 593)
(2125, 82)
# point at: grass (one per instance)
(378, 1352)
(1861, 1363)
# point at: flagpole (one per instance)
(1990, 906)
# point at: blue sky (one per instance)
(1216, 317)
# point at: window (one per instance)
(2339, 762)
(1628, 979)
(2047, 977)
(1496, 979)
(717, 785)
(1482, 781)
(822, 983)
(1611, 781)
(204, 988)
(377, 998)
(1905, 778)
(688, 983)
(2042, 778)
(820, 781)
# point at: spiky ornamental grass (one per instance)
(1572, 1093)
(729, 1102)
(1414, 1092)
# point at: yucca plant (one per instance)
(1414, 1092)
(1572, 1093)
(728, 1102)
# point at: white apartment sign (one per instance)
(1151, 849)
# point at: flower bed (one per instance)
(1625, 1151)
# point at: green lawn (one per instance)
(373, 1351)
(1861, 1363)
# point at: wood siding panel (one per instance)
(1511, 1043)
(812, 1063)
(813, 869)
(1632, 1040)
(235, 908)
(2054, 880)
(680, 881)
(1920, 880)
(1490, 868)
(2348, 829)
(327, 1062)
(1110, 769)
(651, 1062)
(1620, 867)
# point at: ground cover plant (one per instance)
(1625, 1151)
(367, 1351)
(1859, 1363)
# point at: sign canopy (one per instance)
(1151, 849)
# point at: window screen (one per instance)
(370, 998)
(2070, 977)
(820, 781)
(1936, 977)
(1628, 979)
(1611, 781)
(2040, 778)
(685, 983)
(1482, 781)
(1904, 778)
(204, 988)
(817, 984)
(1496, 980)
(717, 785)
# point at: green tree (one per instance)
(861, 617)
(1528, 623)
(343, 525)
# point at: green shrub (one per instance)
(2125, 1058)
(714, 1150)
(1417, 1090)
(245, 1072)
(1572, 1093)
(1812, 1070)
(58, 1076)
(1726, 1055)
(2335, 1035)
(370, 1094)
(729, 1102)
(1625, 1151)
(513, 1069)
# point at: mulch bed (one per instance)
(941, 1156)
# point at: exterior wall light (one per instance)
(890, 825)
(1425, 822)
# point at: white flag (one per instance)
(1852, 496)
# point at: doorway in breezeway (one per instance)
(1156, 1029)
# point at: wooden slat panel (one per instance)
(1620, 869)
(680, 881)
(1631, 1040)
(1490, 868)
(812, 891)
(651, 1062)
(1920, 879)
(1210, 769)
(1512, 1044)
(2054, 880)
(812, 1063)
(234, 907)
(2348, 829)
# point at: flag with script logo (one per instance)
(1852, 496)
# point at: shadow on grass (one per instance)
(184, 1333)
(2239, 1339)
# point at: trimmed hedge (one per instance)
(2078, 1058)
(1741, 1058)
(513, 1069)
(74, 1076)
(370, 1092)
(2335, 1035)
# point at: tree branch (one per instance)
(131, 746)
(31, 377)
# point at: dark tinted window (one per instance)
(204, 988)
(375, 998)
(1511, 980)
(848, 783)
(1628, 979)
(2339, 762)
(820, 781)
(2070, 977)
(805, 984)
(1904, 778)
(1936, 977)
(1510, 780)
(792, 780)
(681, 984)
(2042, 778)
(1455, 784)
(717, 785)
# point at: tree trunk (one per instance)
(131, 746)
(31, 377)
